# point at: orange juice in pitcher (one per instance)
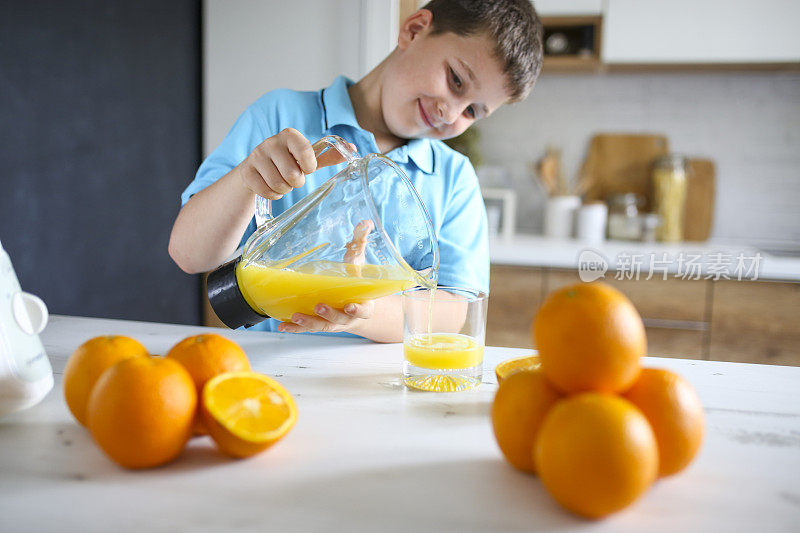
(280, 293)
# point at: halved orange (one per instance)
(511, 366)
(246, 412)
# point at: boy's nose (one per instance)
(447, 113)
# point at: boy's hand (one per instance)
(328, 319)
(280, 163)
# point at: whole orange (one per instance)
(590, 338)
(596, 454)
(88, 362)
(141, 410)
(206, 356)
(675, 413)
(520, 405)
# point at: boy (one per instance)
(456, 62)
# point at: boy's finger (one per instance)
(329, 157)
(333, 156)
(302, 152)
(288, 327)
(358, 310)
(302, 324)
(288, 168)
(334, 316)
(308, 323)
(254, 179)
(272, 176)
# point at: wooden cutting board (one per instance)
(621, 163)
(698, 217)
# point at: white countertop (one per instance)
(369, 455)
(715, 260)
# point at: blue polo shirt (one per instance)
(444, 178)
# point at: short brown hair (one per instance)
(512, 24)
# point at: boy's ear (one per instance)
(413, 26)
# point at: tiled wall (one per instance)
(747, 122)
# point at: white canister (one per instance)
(559, 214)
(590, 222)
(25, 372)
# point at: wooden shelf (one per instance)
(574, 62)
(571, 64)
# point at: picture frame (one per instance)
(501, 210)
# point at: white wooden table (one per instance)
(369, 455)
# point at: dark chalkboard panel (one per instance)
(99, 134)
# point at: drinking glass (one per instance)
(443, 338)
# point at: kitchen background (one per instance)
(747, 122)
(108, 108)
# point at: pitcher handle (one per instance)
(264, 206)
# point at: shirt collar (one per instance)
(336, 106)
(420, 151)
(337, 109)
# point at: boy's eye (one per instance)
(456, 79)
(470, 111)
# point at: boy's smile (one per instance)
(425, 116)
(432, 86)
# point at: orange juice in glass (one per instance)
(443, 338)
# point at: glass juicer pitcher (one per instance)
(363, 234)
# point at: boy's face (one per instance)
(438, 86)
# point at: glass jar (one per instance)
(650, 222)
(623, 217)
(669, 192)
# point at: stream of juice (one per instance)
(281, 292)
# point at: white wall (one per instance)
(253, 46)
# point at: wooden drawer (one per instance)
(658, 299)
(756, 322)
(741, 321)
(679, 343)
(514, 297)
(674, 310)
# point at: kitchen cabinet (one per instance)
(756, 322)
(512, 304)
(742, 321)
(673, 310)
(692, 32)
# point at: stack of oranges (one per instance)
(142, 410)
(597, 427)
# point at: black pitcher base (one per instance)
(227, 299)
